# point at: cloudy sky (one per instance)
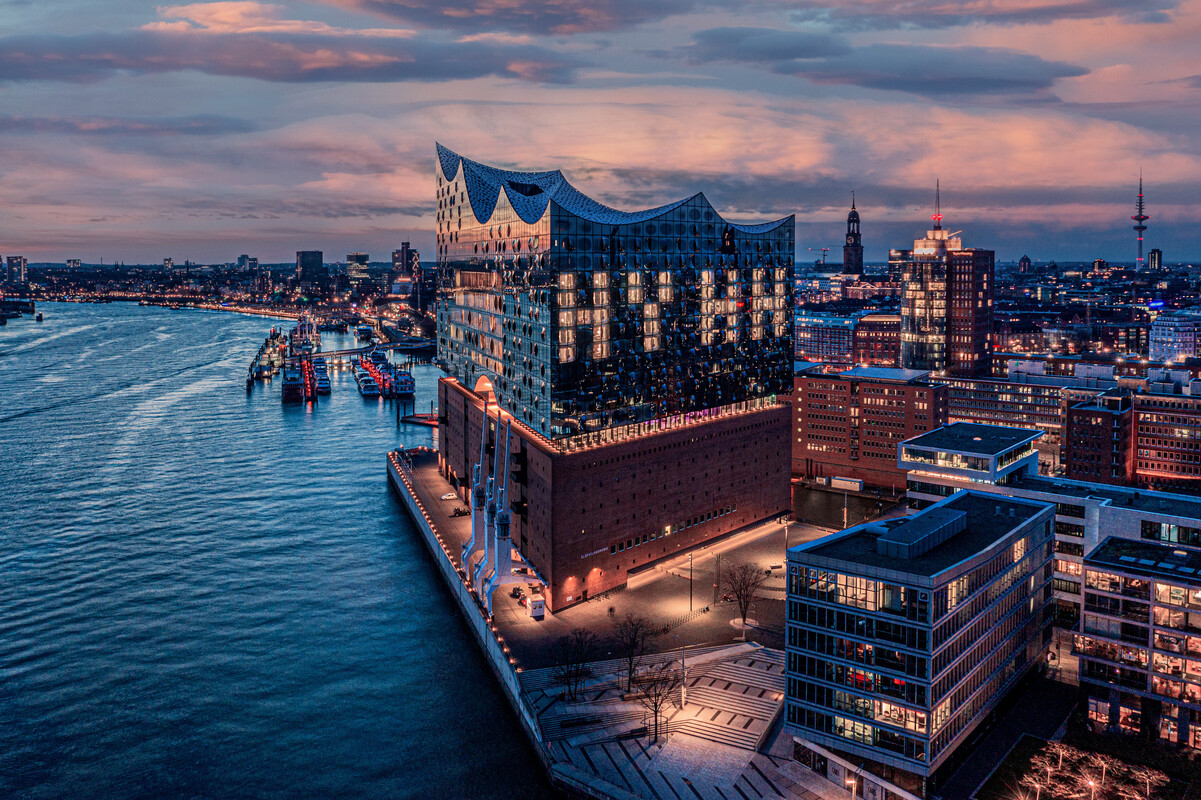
(134, 131)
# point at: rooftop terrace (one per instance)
(974, 437)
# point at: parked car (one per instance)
(517, 592)
(450, 496)
(460, 512)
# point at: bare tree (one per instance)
(657, 686)
(745, 580)
(1058, 750)
(1039, 776)
(1151, 779)
(571, 655)
(633, 633)
(1105, 763)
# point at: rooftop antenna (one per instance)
(937, 215)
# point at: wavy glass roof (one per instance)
(531, 192)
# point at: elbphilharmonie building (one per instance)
(639, 358)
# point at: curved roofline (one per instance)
(530, 193)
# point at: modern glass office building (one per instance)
(1140, 643)
(903, 635)
(582, 317)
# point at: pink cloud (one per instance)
(243, 16)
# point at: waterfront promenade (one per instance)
(726, 741)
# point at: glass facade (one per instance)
(1140, 647)
(907, 669)
(582, 318)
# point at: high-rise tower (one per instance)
(946, 303)
(1140, 218)
(852, 251)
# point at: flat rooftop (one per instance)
(1148, 558)
(974, 437)
(989, 520)
(891, 374)
(1178, 505)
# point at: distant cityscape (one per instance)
(626, 397)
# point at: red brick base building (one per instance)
(586, 512)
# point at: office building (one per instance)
(821, 336)
(1155, 259)
(1099, 445)
(248, 263)
(848, 423)
(1140, 641)
(877, 340)
(1001, 462)
(168, 264)
(1175, 336)
(1167, 430)
(405, 261)
(903, 636)
(310, 266)
(642, 359)
(18, 270)
(852, 251)
(946, 305)
(74, 263)
(358, 272)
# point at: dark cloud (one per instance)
(201, 125)
(528, 16)
(764, 45)
(273, 57)
(890, 14)
(930, 70)
(935, 70)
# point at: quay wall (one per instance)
(563, 775)
(473, 615)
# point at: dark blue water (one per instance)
(204, 594)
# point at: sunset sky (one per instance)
(134, 131)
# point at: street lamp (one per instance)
(683, 674)
(1093, 787)
(690, 583)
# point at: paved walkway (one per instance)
(724, 745)
(665, 601)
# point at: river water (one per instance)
(206, 594)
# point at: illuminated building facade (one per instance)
(848, 424)
(1099, 445)
(17, 272)
(999, 460)
(904, 635)
(1174, 336)
(878, 340)
(1140, 641)
(946, 305)
(641, 358)
(583, 317)
(820, 336)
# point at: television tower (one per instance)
(1140, 218)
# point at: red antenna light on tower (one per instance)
(937, 215)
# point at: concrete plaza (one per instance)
(672, 595)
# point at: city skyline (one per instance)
(203, 130)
